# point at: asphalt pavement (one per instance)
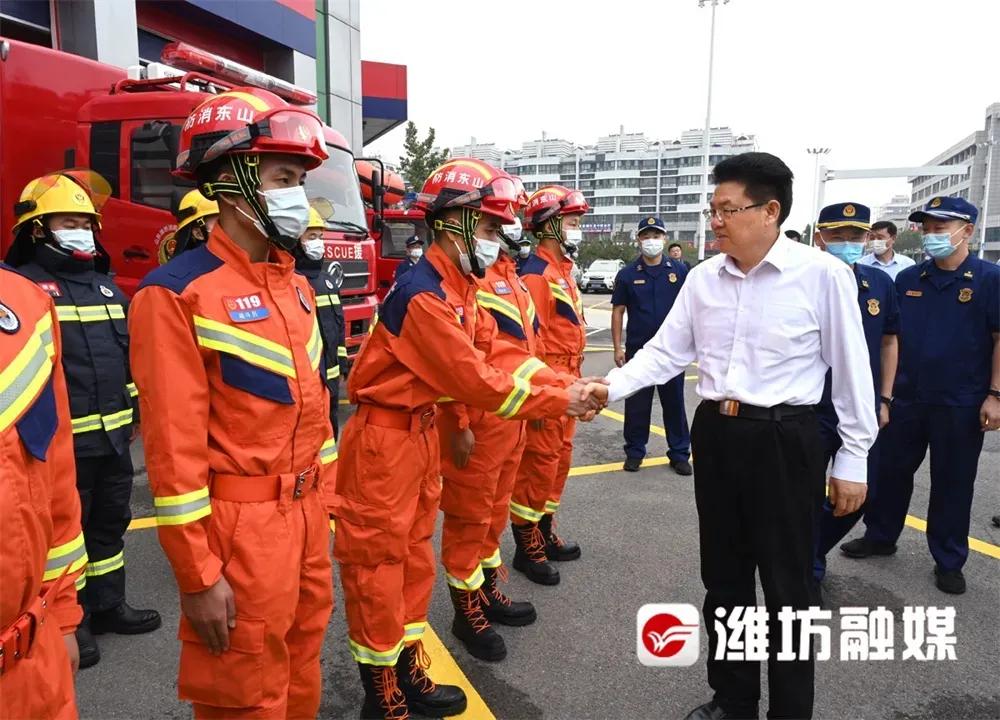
(639, 534)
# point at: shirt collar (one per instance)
(544, 254)
(777, 257)
(279, 266)
(449, 273)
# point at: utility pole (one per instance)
(815, 152)
(708, 124)
(990, 142)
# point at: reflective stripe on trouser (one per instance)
(279, 568)
(105, 487)
(386, 504)
(541, 476)
(41, 685)
(469, 495)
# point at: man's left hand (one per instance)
(989, 414)
(846, 497)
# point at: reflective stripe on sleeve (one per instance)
(182, 509)
(328, 452)
(72, 555)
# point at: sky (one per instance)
(882, 83)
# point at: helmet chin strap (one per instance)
(466, 229)
(246, 169)
(555, 233)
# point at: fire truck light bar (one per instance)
(188, 57)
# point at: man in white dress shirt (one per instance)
(883, 256)
(764, 320)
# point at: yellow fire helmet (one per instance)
(80, 192)
(195, 206)
(315, 220)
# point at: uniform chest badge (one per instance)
(672, 277)
(8, 320)
(106, 291)
(245, 308)
(329, 284)
(873, 308)
(51, 288)
(914, 293)
(965, 295)
(500, 287)
(302, 299)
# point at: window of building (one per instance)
(628, 182)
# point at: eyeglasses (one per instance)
(726, 213)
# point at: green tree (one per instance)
(908, 242)
(421, 156)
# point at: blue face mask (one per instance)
(938, 245)
(849, 252)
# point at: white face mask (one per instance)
(572, 236)
(486, 252)
(651, 247)
(879, 246)
(512, 232)
(524, 251)
(313, 248)
(415, 253)
(463, 259)
(288, 209)
(77, 239)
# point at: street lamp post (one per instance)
(705, 137)
(990, 142)
(815, 152)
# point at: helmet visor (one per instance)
(288, 130)
(97, 189)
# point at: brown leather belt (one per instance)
(417, 420)
(262, 488)
(735, 408)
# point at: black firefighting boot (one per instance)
(472, 627)
(90, 654)
(529, 557)
(124, 620)
(423, 695)
(555, 547)
(501, 609)
(383, 698)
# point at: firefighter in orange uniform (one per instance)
(42, 551)
(388, 482)
(553, 214)
(480, 453)
(227, 354)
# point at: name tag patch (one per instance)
(914, 293)
(500, 287)
(51, 288)
(245, 308)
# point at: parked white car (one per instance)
(600, 276)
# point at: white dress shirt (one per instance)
(891, 268)
(767, 338)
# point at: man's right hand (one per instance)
(462, 444)
(212, 614)
(619, 358)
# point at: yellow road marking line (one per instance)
(445, 671)
(980, 546)
(613, 467)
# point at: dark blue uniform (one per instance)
(403, 268)
(879, 317)
(948, 323)
(92, 320)
(648, 292)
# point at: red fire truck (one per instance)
(61, 110)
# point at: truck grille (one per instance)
(355, 274)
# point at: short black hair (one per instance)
(793, 235)
(886, 225)
(675, 245)
(765, 177)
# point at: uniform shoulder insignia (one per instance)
(182, 270)
(9, 322)
(106, 291)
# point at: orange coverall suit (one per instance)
(42, 552)
(239, 449)
(562, 336)
(388, 480)
(476, 499)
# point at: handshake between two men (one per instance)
(587, 397)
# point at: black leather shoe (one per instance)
(950, 581)
(124, 620)
(632, 464)
(682, 467)
(711, 711)
(90, 654)
(863, 547)
(423, 695)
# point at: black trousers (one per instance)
(758, 486)
(105, 487)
